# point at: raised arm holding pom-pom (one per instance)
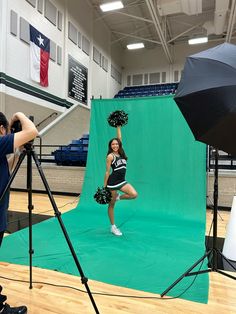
(117, 160)
(118, 131)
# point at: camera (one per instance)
(16, 127)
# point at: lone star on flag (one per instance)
(40, 39)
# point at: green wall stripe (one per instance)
(33, 91)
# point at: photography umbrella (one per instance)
(206, 96)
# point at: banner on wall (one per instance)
(77, 81)
(39, 56)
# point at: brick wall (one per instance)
(59, 178)
(226, 188)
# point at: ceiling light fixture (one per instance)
(135, 46)
(199, 40)
(110, 6)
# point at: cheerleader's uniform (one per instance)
(117, 178)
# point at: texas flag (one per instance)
(39, 56)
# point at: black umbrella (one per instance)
(206, 96)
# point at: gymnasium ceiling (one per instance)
(168, 22)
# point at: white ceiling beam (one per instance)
(125, 14)
(169, 28)
(185, 32)
(138, 37)
(158, 28)
(135, 17)
(125, 36)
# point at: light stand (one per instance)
(31, 154)
(213, 252)
(210, 202)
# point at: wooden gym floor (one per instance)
(45, 298)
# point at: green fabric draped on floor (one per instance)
(163, 229)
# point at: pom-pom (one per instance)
(102, 195)
(117, 118)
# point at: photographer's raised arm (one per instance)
(28, 133)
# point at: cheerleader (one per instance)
(115, 181)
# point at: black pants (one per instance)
(2, 297)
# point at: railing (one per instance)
(46, 157)
(44, 120)
(73, 154)
(225, 160)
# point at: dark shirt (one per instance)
(6, 147)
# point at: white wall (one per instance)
(99, 77)
(2, 52)
(81, 12)
(103, 84)
(3, 34)
(117, 53)
(145, 61)
(154, 60)
(16, 63)
(73, 127)
(14, 60)
(184, 50)
(30, 109)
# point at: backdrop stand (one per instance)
(29, 152)
(213, 252)
(210, 202)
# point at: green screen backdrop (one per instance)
(163, 229)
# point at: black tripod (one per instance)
(29, 152)
(213, 252)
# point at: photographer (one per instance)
(9, 143)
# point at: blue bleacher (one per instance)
(74, 154)
(147, 90)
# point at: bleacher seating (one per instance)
(74, 154)
(147, 90)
